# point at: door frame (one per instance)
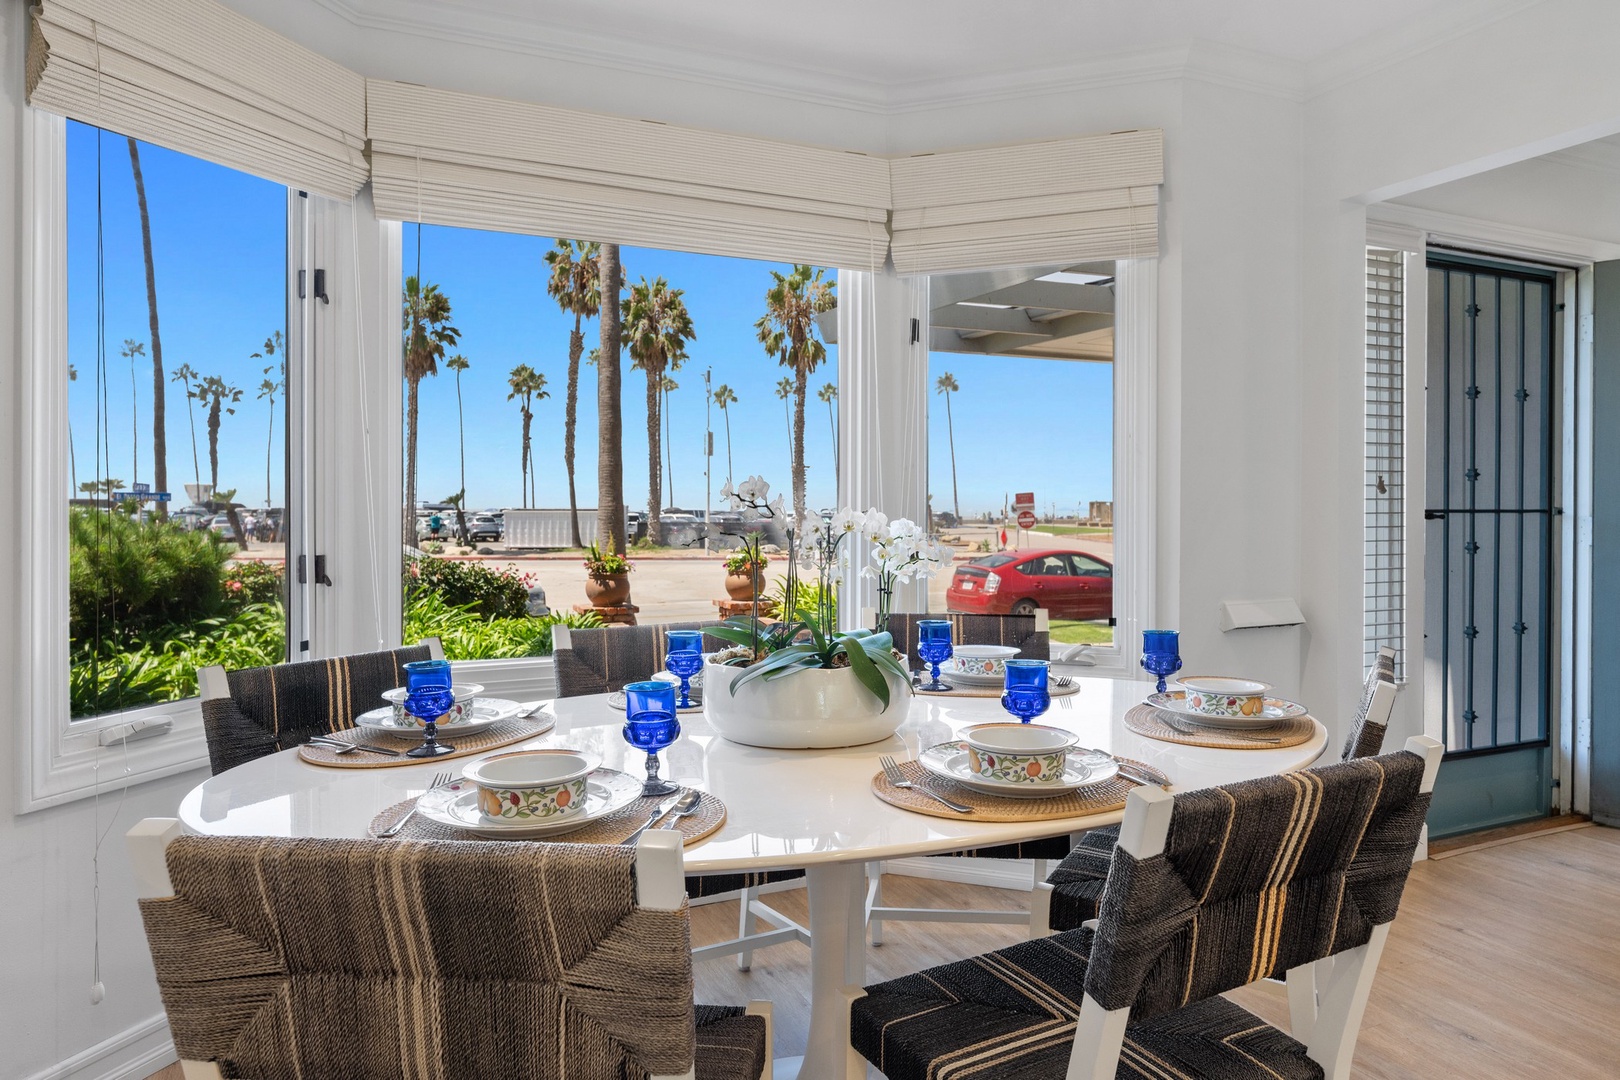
(1415, 232)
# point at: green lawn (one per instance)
(1075, 530)
(1075, 632)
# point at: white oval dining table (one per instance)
(784, 808)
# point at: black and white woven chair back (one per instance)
(602, 660)
(1367, 729)
(574, 958)
(1026, 633)
(1254, 879)
(262, 710)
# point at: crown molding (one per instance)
(1495, 236)
(1387, 48)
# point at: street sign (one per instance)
(1026, 519)
(1024, 500)
(141, 494)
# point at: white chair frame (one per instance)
(660, 886)
(1326, 998)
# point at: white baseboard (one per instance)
(1014, 874)
(132, 1054)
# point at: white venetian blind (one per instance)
(1095, 197)
(1384, 494)
(490, 163)
(195, 76)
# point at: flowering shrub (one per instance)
(249, 583)
(492, 594)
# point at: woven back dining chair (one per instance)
(1208, 891)
(369, 958)
(600, 661)
(257, 711)
(1071, 894)
(1030, 635)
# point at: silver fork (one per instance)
(439, 780)
(1192, 729)
(898, 779)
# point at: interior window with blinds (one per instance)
(1384, 551)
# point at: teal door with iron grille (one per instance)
(1488, 525)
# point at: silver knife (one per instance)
(339, 744)
(659, 811)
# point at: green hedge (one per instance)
(494, 594)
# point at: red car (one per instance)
(1069, 584)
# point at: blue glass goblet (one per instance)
(934, 647)
(650, 724)
(1161, 654)
(1026, 695)
(428, 696)
(684, 657)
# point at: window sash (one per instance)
(1384, 571)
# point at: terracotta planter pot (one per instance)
(610, 590)
(746, 585)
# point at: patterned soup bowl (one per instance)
(464, 694)
(987, 660)
(1219, 695)
(1026, 754)
(531, 785)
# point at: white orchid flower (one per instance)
(753, 489)
(726, 492)
(776, 507)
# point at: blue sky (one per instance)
(219, 240)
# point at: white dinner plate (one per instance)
(1276, 711)
(486, 713)
(950, 761)
(456, 805)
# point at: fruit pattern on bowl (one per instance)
(1226, 704)
(458, 712)
(532, 803)
(1018, 768)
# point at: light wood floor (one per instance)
(1504, 962)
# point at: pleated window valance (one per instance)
(1094, 197)
(195, 76)
(461, 159)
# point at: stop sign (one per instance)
(1026, 519)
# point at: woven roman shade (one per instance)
(195, 76)
(1095, 197)
(490, 163)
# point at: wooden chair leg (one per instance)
(1040, 910)
(874, 899)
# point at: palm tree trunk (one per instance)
(669, 453)
(610, 422)
(409, 523)
(160, 442)
(213, 445)
(727, 413)
(191, 414)
(832, 426)
(461, 436)
(134, 426)
(655, 456)
(950, 427)
(787, 417)
(269, 444)
(801, 386)
(576, 347)
(528, 416)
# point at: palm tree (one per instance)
(946, 385)
(458, 364)
(186, 375)
(788, 332)
(269, 388)
(219, 396)
(657, 328)
(130, 351)
(573, 284)
(829, 394)
(428, 336)
(160, 442)
(784, 391)
(725, 396)
(668, 384)
(527, 384)
(609, 420)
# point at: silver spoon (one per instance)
(686, 807)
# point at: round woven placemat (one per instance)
(1091, 799)
(610, 829)
(1147, 721)
(962, 689)
(516, 730)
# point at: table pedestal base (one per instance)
(837, 959)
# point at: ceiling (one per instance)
(894, 43)
(1053, 312)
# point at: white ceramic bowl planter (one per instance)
(819, 708)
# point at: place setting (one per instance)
(420, 715)
(1219, 711)
(1013, 770)
(559, 793)
(970, 670)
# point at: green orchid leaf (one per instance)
(865, 669)
(734, 634)
(779, 658)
